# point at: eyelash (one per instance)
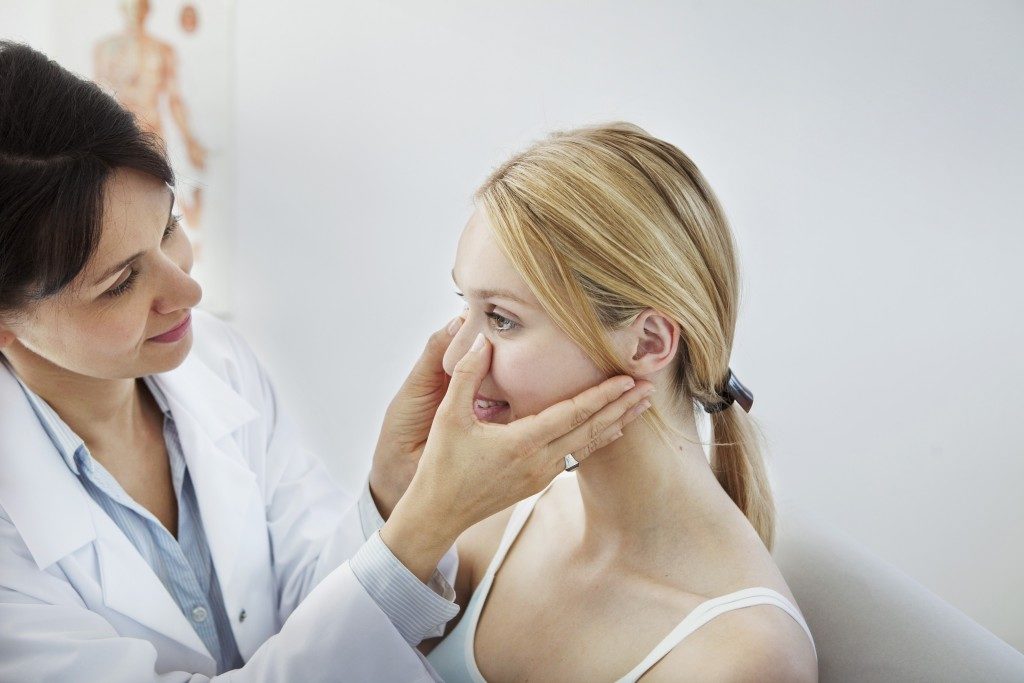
(497, 320)
(125, 286)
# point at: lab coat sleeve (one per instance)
(47, 634)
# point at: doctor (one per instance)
(160, 519)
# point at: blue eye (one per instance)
(500, 323)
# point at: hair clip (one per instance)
(734, 391)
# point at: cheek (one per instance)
(111, 338)
(532, 377)
(92, 343)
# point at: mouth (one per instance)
(488, 409)
(175, 333)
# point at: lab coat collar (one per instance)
(38, 492)
(192, 388)
(206, 412)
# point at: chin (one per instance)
(169, 357)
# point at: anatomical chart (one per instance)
(169, 63)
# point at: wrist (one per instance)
(417, 540)
(382, 494)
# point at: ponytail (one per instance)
(739, 467)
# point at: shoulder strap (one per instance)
(516, 522)
(708, 610)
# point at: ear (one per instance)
(651, 342)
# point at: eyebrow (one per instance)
(123, 264)
(492, 293)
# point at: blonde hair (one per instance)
(607, 221)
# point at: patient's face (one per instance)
(534, 364)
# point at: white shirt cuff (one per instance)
(440, 581)
(417, 610)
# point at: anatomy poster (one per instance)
(169, 62)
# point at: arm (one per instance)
(196, 152)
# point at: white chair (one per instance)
(873, 623)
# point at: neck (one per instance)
(96, 409)
(641, 492)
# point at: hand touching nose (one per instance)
(470, 469)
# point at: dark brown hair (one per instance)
(61, 137)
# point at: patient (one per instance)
(597, 252)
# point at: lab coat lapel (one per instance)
(132, 588)
(207, 412)
(41, 495)
(56, 517)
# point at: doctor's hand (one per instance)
(470, 469)
(407, 422)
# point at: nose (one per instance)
(459, 346)
(177, 290)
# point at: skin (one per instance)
(644, 530)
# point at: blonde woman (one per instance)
(594, 252)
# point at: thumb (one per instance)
(467, 377)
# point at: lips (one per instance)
(176, 332)
(484, 402)
(488, 409)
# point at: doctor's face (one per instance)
(111, 321)
(534, 364)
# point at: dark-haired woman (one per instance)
(159, 517)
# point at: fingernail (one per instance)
(478, 343)
(628, 384)
(455, 324)
(649, 390)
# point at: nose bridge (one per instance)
(177, 288)
(459, 346)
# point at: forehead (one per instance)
(135, 205)
(481, 264)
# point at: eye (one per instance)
(500, 323)
(125, 285)
(172, 226)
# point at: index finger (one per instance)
(567, 415)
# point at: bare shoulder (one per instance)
(761, 644)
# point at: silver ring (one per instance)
(571, 463)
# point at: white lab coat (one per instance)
(79, 603)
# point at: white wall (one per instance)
(868, 154)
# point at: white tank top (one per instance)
(454, 660)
